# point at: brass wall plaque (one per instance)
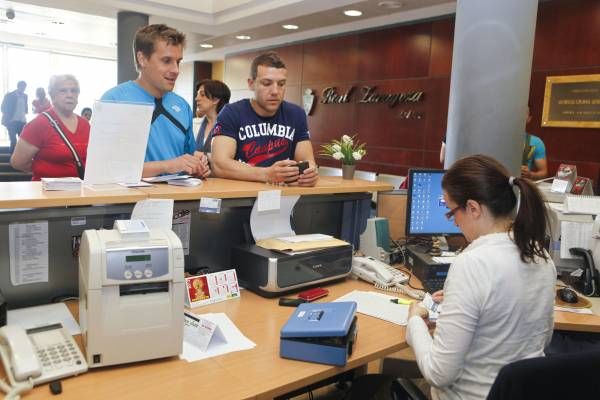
(572, 101)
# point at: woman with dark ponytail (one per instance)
(499, 294)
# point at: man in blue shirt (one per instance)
(534, 165)
(171, 146)
(262, 139)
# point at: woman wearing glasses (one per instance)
(497, 302)
(54, 144)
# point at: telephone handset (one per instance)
(372, 270)
(18, 355)
(589, 284)
(38, 355)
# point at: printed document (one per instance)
(28, 252)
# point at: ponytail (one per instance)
(529, 226)
(485, 180)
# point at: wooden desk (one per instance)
(31, 195)
(566, 321)
(226, 189)
(257, 373)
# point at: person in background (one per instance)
(41, 102)
(443, 151)
(263, 138)
(41, 149)
(211, 97)
(86, 113)
(14, 109)
(498, 299)
(158, 50)
(534, 165)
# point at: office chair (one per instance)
(562, 376)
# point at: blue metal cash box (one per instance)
(320, 332)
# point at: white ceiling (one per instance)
(90, 26)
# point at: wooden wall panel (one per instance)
(339, 55)
(567, 34)
(401, 52)
(442, 36)
(436, 114)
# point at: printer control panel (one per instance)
(134, 264)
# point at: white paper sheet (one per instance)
(574, 234)
(378, 305)
(269, 200)
(231, 340)
(28, 252)
(156, 213)
(118, 140)
(273, 223)
(573, 310)
(31, 317)
(314, 237)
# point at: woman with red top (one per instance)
(41, 103)
(41, 150)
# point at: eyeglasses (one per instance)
(450, 214)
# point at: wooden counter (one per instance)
(31, 195)
(225, 188)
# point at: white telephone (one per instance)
(38, 355)
(383, 276)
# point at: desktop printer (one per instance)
(131, 293)
(320, 332)
(271, 273)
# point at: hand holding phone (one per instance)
(302, 165)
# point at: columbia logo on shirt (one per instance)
(266, 129)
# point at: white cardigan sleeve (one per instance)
(441, 359)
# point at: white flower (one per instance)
(357, 155)
(336, 148)
(347, 139)
(337, 155)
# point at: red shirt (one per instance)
(55, 160)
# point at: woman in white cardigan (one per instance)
(497, 302)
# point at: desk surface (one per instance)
(226, 188)
(256, 373)
(31, 195)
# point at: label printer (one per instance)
(131, 294)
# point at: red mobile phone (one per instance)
(313, 294)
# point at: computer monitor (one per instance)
(426, 209)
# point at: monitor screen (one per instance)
(426, 209)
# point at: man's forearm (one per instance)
(232, 169)
(154, 168)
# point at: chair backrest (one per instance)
(394, 180)
(329, 171)
(562, 376)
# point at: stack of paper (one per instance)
(300, 242)
(165, 178)
(186, 182)
(68, 183)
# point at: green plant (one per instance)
(348, 150)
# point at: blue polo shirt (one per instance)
(537, 150)
(166, 141)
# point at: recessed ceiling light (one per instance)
(290, 26)
(206, 45)
(353, 13)
(243, 37)
(390, 4)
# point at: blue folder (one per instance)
(320, 332)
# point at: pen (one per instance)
(401, 301)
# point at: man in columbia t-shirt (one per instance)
(263, 138)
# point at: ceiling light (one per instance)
(390, 4)
(243, 37)
(290, 27)
(353, 13)
(206, 45)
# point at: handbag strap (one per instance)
(67, 142)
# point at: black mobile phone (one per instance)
(302, 165)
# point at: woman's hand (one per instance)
(418, 310)
(438, 296)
